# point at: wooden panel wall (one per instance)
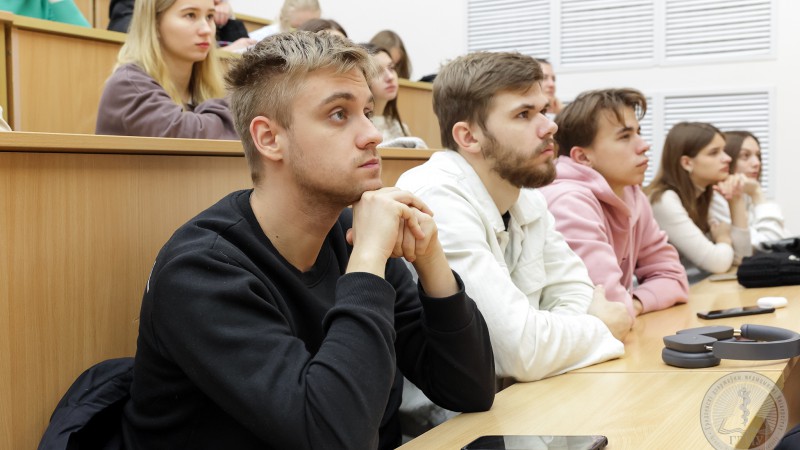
(79, 230)
(415, 103)
(57, 75)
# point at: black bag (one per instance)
(769, 269)
(791, 245)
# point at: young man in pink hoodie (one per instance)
(599, 206)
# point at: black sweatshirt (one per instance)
(239, 349)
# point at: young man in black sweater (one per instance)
(278, 318)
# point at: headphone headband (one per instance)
(705, 346)
(775, 343)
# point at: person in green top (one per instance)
(57, 10)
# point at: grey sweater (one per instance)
(134, 104)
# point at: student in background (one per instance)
(280, 318)
(694, 165)
(293, 14)
(599, 205)
(384, 89)
(230, 33)
(544, 314)
(549, 86)
(167, 82)
(391, 41)
(64, 11)
(765, 217)
(317, 25)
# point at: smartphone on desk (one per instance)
(734, 312)
(537, 442)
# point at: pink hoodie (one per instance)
(616, 239)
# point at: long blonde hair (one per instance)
(143, 48)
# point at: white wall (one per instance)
(435, 31)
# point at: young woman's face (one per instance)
(384, 86)
(710, 165)
(186, 30)
(749, 160)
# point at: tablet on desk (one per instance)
(537, 442)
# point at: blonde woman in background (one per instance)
(765, 217)
(167, 81)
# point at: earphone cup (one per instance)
(676, 358)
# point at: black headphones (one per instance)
(705, 346)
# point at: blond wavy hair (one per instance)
(143, 48)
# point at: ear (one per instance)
(686, 163)
(581, 156)
(267, 136)
(466, 138)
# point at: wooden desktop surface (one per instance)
(634, 410)
(644, 343)
(637, 401)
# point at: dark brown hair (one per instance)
(388, 39)
(579, 121)
(390, 112)
(684, 139)
(465, 86)
(733, 146)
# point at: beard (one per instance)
(520, 170)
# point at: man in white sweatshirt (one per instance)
(544, 315)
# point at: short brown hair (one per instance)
(464, 88)
(265, 80)
(579, 121)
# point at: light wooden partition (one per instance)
(5, 27)
(252, 23)
(82, 218)
(100, 10)
(87, 9)
(415, 103)
(56, 74)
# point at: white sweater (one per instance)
(695, 247)
(531, 288)
(765, 219)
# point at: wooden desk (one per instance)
(634, 410)
(637, 401)
(415, 103)
(644, 343)
(82, 218)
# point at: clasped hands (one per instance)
(390, 222)
(736, 185)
